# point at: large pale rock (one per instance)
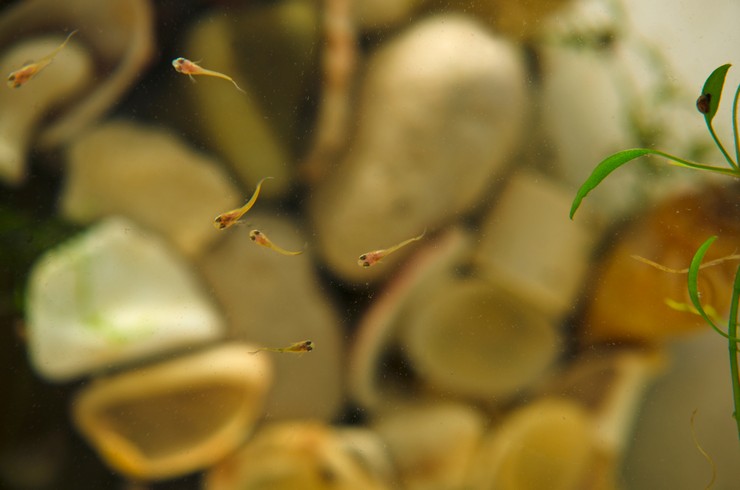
(531, 211)
(442, 109)
(275, 300)
(151, 176)
(111, 296)
(585, 120)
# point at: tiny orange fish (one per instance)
(371, 258)
(22, 75)
(261, 239)
(190, 68)
(297, 348)
(225, 220)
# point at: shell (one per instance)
(470, 338)
(113, 295)
(176, 417)
(404, 171)
(151, 176)
(23, 109)
(431, 444)
(544, 445)
(289, 455)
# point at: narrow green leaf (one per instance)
(708, 101)
(611, 163)
(693, 281)
(602, 170)
(693, 284)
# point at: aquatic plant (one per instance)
(707, 104)
(731, 334)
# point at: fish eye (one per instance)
(11, 78)
(366, 264)
(363, 256)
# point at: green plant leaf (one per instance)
(694, 280)
(602, 170)
(708, 101)
(693, 284)
(613, 162)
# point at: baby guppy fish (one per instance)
(371, 258)
(190, 68)
(22, 75)
(228, 218)
(297, 348)
(261, 239)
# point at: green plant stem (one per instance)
(734, 124)
(721, 147)
(732, 332)
(735, 172)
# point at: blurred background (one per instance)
(502, 346)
